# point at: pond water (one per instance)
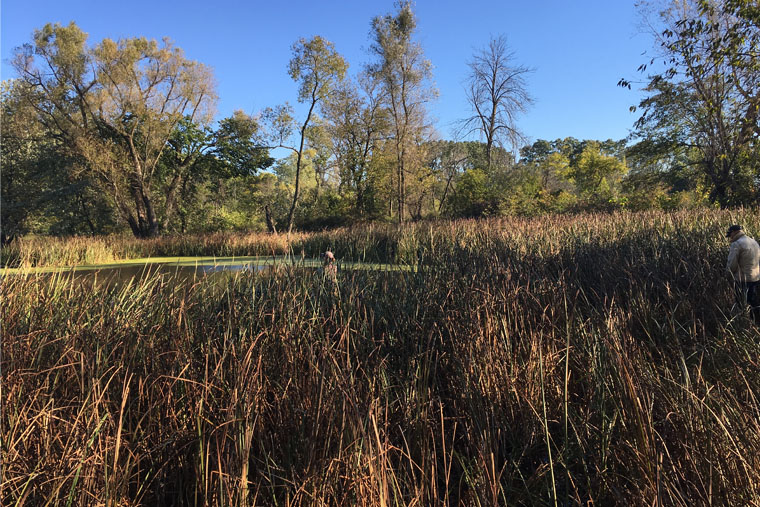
(114, 276)
(179, 269)
(184, 269)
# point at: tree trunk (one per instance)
(270, 223)
(86, 214)
(445, 193)
(292, 211)
(296, 190)
(359, 199)
(153, 224)
(146, 215)
(134, 226)
(147, 224)
(178, 181)
(124, 211)
(401, 183)
(6, 239)
(489, 143)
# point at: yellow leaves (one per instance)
(107, 50)
(558, 164)
(139, 78)
(63, 45)
(593, 169)
(318, 67)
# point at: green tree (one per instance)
(21, 149)
(662, 175)
(196, 154)
(403, 72)
(356, 122)
(706, 100)
(42, 189)
(114, 106)
(318, 69)
(596, 174)
(448, 160)
(471, 196)
(564, 169)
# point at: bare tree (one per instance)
(497, 93)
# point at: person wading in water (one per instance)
(744, 265)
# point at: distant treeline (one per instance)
(119, 136)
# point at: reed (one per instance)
(557, 360)
(386, 243)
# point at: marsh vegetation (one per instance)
(546, 361)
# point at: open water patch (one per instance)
(186, 269)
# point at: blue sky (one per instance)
(579, 49)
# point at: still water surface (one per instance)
(115, 276)
(184, 269)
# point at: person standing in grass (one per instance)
(328, 264)
(744, 265)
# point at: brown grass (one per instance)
(548, 361)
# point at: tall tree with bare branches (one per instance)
(497, 92)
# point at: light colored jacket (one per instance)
(744, 259)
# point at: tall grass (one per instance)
(51, 251)
(549, 361)
(387, 243)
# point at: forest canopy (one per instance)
(121, 135)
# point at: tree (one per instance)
(705, 102)
(20, 149)
(238, 146)
(319, 141)
(553, 172)
(449, 161)
(196, 153)
(357, 122)
(114, 106)
(662, 175)
(403, 72)
(470, 199)
(318, 69)
(497, 93)
(559, 171)
(41, 190)
(595, 173)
